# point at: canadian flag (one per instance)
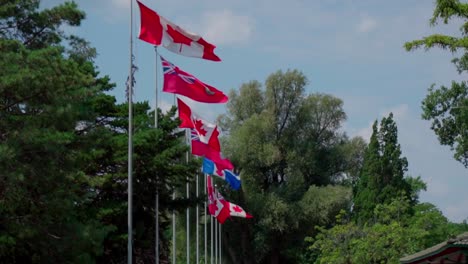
(157, 30)
(220, 208)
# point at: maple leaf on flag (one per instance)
(199, 127)
(237, 209)
(178, 37)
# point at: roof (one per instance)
(446, 247)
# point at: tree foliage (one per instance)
(290, 152)
(63, 149)
(387, 222)
(391, 237)
(382, 176)
(44, 96)
(447, 107)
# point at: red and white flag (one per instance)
(157, 30)
(204, 150)
(180, 82)
(219, 207)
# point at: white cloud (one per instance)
(437, 188)
(164, 105)
(366, 25)
(121, 4)
(400, 112)
(225, 27)
(365, 133)
(457, 211)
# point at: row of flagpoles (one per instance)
(201, 135)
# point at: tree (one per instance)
(447, 107)
(290, 153)
(159, 164)
(45, 92)
(63, 149)
(392, 236)
(382, 176)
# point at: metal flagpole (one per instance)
(174, 249)
(130, 146)
(206, 219)
(197, 226)
(216, 242)
(173, 232)
(187, 136)
(212, 218)
(156, 209)
(211, 238)
(220, 244)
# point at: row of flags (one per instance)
(157, 30)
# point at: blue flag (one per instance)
(232, 179)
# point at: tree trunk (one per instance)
(232, 253)
(246, 248)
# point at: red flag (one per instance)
(204, 150)
(179, 82)
(157, 30)
(207, 133)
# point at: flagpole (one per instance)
(211, 238)
(156, 209)
(187, 136)
(206, 219)
(173, 231)
(220, 244)
(174, 248)
(130, 147)
(197, 223)
(216, 241)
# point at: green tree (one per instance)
(45, 93)
(290, 151)
(63, 149)
(382, 176)
(447, 107)
(159, 164)
(392, 236)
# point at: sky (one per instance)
(350, 49)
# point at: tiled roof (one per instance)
(459, 241)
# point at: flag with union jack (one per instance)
(206, 150)
(180, 82)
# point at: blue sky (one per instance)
(350, 49)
